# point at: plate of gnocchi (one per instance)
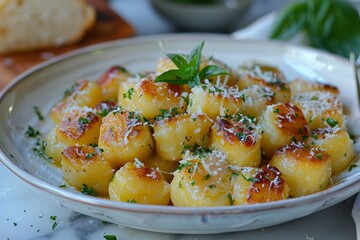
(186, 133)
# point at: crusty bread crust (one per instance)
(35, 24)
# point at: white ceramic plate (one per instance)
(43, 86)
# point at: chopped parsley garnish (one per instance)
(39, 150)
(352, 166)
(38, 113)
(184, 165)
(212, 186)
(62, 186)
(231, 200)
(128, 93)
(188, 69)
(314, 135)
(31, 132)
(319, 156)
(192, 183)
(110, 237)
(243, 97)
(241, 136)
(87, 191)
(54, 225)
(167, 113)
(104, 112)
(90, 155)
(186, 99)
(83, 121)
(94, 145)
(233, 174)
(207, 177)
(70, 90)
(276, 110)
(332, 122)
(131, 200)
(250, 179)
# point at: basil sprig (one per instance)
(188, 71)
(332, 25)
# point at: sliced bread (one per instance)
(35, 24)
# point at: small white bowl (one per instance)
(210, 17)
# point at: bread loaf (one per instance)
(34, 24)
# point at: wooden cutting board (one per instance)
(109, 26)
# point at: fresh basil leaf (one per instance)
(194, 58)
(210, 71)
(174, 76)
(290, 21)
(195, 81)
(179, 61)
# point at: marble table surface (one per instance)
(26, 215)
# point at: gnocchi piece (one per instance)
(166, 168)
(281, 123)
(300, 86)
(336, 143)
(54, 148)
(80, 126)
(109, 82)
(202, 179)
(173, 134)
(321, 109)
(124, 136)
(214, 101)
(135, 183)
(255, 100)
(239, 139)
(258, 185)
(149, 97)
(84, 166)
(83, 93)
(266, 76)
(306, 170)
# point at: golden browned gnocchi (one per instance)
(85, 167)
(135, 183)
(258, 185)
(214, 101)
(202, 179)
(307, 170)
(149, 97)
(109, 82)
(321, 109)
(173, 135)
(196, 133)
(125, 136)
(337, 143)
(255, 100)
(281, 124)
(79, 126)
(268, 76)
(300, 86)
(238, 138)
(83, 93)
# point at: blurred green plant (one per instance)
(194, 1)
(332, 25)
